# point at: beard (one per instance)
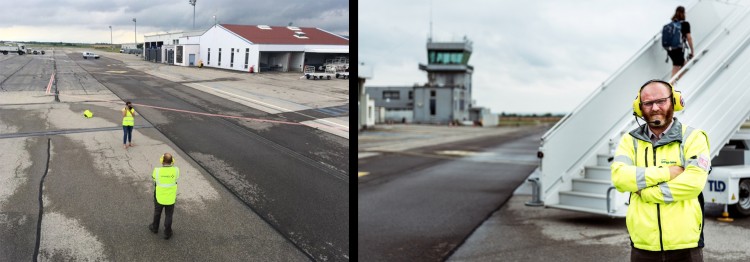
(665, 118)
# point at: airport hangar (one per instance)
(256, 48)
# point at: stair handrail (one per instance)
(609, 190)
(730, 56)
(615, 128)
(723, 65)
(552, 131)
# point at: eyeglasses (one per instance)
(658, 102)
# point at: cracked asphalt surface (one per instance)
(248, 191)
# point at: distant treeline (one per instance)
(503, 114)
(63, 44)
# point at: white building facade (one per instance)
(248, 48)
(181, 48)
(221, 48)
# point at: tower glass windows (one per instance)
(447, 57)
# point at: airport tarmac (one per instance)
(402, 137)
(326, 101)
(97, 197)
(516, 232)
(512, 231)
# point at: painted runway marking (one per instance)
(193, 112)
(67, 131)
(274, 106)
(338, 126)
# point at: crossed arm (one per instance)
(662, 184)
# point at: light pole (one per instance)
(110, 38)
(135, 33)
(192, 2)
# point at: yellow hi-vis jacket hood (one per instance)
(667, 214)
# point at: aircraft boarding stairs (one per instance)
(574, 173)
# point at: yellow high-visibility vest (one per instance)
(665, 214)
(128, 119)
(165, 179)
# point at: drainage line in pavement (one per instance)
(41, 203)
(209, 114)
(54, 80)
(67, 131)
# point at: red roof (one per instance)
(284, 36)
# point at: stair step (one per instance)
(584, 200)
(598, 173)
(593, 186)
(581, 209)
(603, 160)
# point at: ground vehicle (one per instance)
(131, 51)
(13, 48)
(340, 65)
(343, 74)
(87, 55)
(729, 180)
(311, 73)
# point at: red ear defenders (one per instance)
(676, 96)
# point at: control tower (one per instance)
(446, 97)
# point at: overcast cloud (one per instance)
(529, 56)
(88, 21)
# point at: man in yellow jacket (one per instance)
(664, 165)
(165, 193)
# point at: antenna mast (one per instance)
(430, 38)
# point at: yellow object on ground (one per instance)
(88, 114)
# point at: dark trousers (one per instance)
(690, 254)
(128, 130)
(167, 219)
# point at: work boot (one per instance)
(167, 235)
(153, 229)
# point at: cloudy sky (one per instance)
(88, 21)
(529, 56)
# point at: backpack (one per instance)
(671, 36)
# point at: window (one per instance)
(231, 59)
(445, 57)
(219, 56)
(463, 101)
(179, 54)
(209, 57)
(247, 56)
(395, 95)
(432, 93)
(411, 95)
